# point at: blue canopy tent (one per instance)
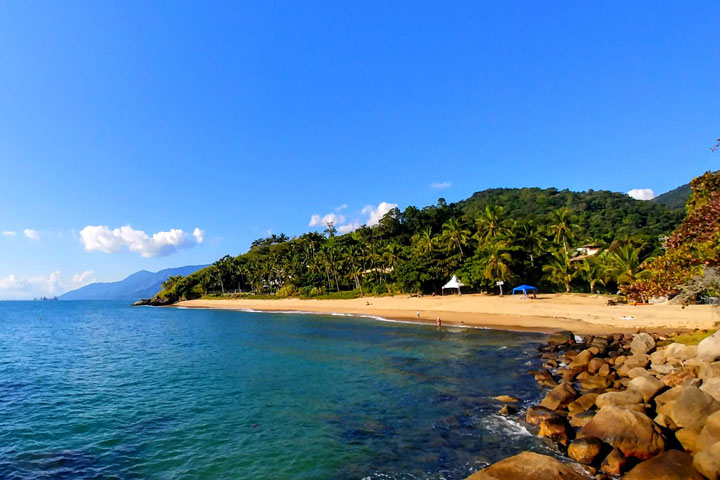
(524, 289)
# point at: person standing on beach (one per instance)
(439, 323)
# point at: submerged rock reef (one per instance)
(622, 406)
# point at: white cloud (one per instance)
(350, 227)
(101, 238)
(317, 220)
(641, 193)
(376, 213)
(341, 207)
(441, 185)
(16, 287)
(343, 225)
(9, 233)
(31, 234)
(82, 278)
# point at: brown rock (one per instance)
(507, 410)
(646, 386)
(642, 343)
(619, 360)
(630, 431)
(671, 465)
(582, 359)
(687, 438)
(614, 463)
(692, 408)
(507, 399)
(563, 337)
(711, 386)
(556, 429)
(628, 397)
(638, 372)
(568, 374)
(678, 377)
(707, 462)
(584, 402)
(582, 418)
(559, 397)
(679, 353)
(604, 371)
(709, 370)
(596, 382)
(535, 415)
(633, 362)
(545, 379)
(527, 466)
(710, 433)
(665, 422)
(585, 450)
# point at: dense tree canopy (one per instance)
(514, 235)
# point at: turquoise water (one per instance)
(103, 390)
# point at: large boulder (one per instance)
(585, 450)
(559, 397)
(630, 431)
(642, 343)
(687, 438)
(536, 414)
(678, 353)
(527, 466)
(692, 408)
(556, 429)
(710, 433)
(711, 386)
(584, 402)
(709, 370)
(707, 462)
(646, 386)
(671, 465)
(634, 361)
(709, 349)
(563, 337)
(614, 463)
(627, 397)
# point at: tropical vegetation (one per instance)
(526, 235)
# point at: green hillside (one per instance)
(514, 235)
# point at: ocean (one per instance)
(101, 390)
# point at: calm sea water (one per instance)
(103, 390)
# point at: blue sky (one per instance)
(241, 118)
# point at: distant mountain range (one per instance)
(142, 284)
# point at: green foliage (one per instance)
(526, 235)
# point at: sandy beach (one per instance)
(576, 312)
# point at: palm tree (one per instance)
(592, 271)
(455, 235)
(497, 267)
(424, 242)
(625, 263)
(560, 270)
(562, 227)
(491, 224)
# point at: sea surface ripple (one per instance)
(100, 390)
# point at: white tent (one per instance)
(453, 283)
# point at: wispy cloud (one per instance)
(9, 233)
(32, 234)
(441, 185)
(372, 215)
(342, 207)
(641, 193)
(317, 220)
(103, 239)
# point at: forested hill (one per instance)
(600, 214)
(513, 235)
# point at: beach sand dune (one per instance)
(577, 312)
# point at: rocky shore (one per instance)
(636, 407)
(153, 302)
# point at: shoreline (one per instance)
(583, 314)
